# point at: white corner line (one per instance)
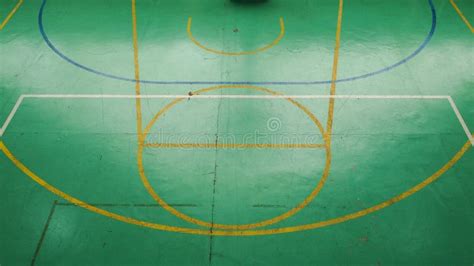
(222, 96)
(461, 120)
(11, 115)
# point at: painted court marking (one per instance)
(282, 230)
(143, 132)
(461, 15)
(233, 145)
(212, 224)
(219, 52)
(216, 145)
(89, 69)
(219, 96)
(10, 15)
(138, 98)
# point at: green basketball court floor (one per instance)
(215, 132)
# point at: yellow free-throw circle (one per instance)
(219, 52)
(274, 220)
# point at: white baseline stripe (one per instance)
(461, 120)
(185, 96)
(220, 96)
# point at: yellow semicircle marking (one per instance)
(272, 231)
(219, 52)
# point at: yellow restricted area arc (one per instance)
(219, 52)
(281, 230)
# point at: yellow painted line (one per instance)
(219, 52)
(165, 109)
(10, 15)
(274, 220)
(326, 134)
(233, 146)
(461, 15)
(281, 230)
(320, 224)
(334, 73)
(138, 104)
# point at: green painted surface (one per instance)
(380, 148)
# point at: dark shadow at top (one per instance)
(248, 3)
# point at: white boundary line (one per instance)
(461, 120)
(229, 96)
(11, 115)
(124, 96)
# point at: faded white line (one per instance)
(461, 120)
(11, 115)
(220, 96)
(268, 97)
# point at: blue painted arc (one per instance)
(162, 82)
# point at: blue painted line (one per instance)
(97, 72)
